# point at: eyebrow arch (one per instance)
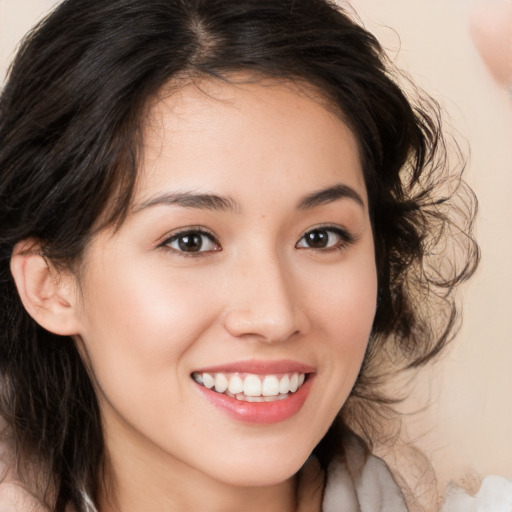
(329, 195)
(191, 200)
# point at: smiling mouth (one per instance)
(250, 387)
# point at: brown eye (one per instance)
(192, 242)
(317, 239)
(325, 238)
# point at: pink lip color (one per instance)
(259, 367)
(260, 412)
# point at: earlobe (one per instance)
(47, 293)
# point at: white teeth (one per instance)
(294, 382)
(221, 383)
(236, 385)
(208, 381)
(270, 386)
(251, 387)
(249, 398)
(284, 385)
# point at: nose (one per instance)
(265, 302)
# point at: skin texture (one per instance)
(146, 314)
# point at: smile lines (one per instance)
(250, 387)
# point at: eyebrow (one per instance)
(220, 203)
(329, 195)
(191, 200)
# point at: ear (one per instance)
(49, 295)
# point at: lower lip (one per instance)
(260, 412)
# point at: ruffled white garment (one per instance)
(361, 482)
(495, 495)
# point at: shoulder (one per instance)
(361, 482)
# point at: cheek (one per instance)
(344, 310)
(345, 297)
(140, 323)
(139, 331)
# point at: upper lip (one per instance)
(259, 367)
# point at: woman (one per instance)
(219, 228)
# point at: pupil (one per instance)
(317, 239)
(190, 243)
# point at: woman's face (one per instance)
(246, 262)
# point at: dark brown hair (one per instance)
(71, 115)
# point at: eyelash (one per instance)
(345, 239)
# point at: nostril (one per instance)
(262, 324)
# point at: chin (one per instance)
(267, 476)
(261, 471)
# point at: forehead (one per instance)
(250, 136)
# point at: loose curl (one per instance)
(71, 117)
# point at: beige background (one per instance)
(467, 426)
